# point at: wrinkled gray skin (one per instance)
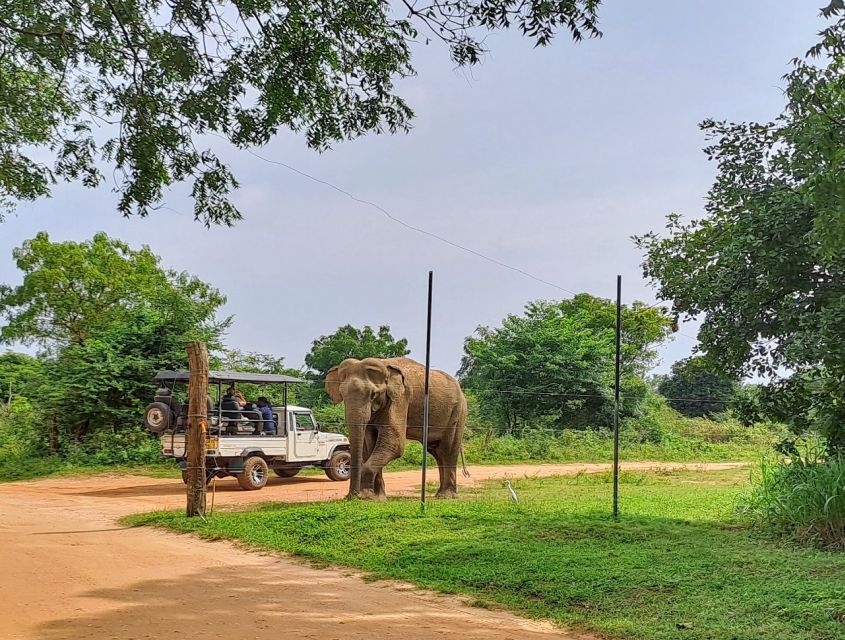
(383, 399)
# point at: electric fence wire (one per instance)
(435, 236)
(425, 232)
(560, 394)
(412, 227)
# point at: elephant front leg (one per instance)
(389, 446)
(370, 485)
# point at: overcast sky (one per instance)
(546, 159)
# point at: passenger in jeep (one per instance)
(268, 423)
(231, 411)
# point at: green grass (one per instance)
(803, 498)
(676, 566)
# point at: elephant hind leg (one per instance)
(378, 486)
(447, 462)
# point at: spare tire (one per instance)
(157, 417)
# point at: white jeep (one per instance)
(240, 443)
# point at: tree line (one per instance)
(103, 317)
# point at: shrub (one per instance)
(331, 417)
(803, 497)
(21, 435)
(128, 446)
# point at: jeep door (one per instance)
(306, 438)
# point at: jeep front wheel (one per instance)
(339, 466)
(254, 475)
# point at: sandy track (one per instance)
(68, 571)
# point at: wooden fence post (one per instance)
(197, 427)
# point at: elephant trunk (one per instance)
(356, 420)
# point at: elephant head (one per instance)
(366, 387)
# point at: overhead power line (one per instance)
(407, 225)
(430, 234)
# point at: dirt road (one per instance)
(68, 571)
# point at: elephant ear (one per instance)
(332, 385)
(395, 383)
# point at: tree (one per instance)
(255, 362)
(349, 342)
(73, 291)
(251, 361)
(556, 362)
(107, 317)
(764, 267)
(156, 75)
(693, 389)
(745, 405)
(19, 375)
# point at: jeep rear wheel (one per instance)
(254, 475)
(287, 472)
(339, 466)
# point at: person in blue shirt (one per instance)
(268, 420)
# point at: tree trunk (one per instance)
(197, 427)
(54, 434)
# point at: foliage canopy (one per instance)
(565, 347)
(351, 342)
(347, 342)
(135, 84)
(764, 267)
(693, 389)
(107, 317)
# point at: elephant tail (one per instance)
(464, 469)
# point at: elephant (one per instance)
(384, 402)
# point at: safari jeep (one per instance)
(292, 441)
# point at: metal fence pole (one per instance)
(616, 397)
(426, 397)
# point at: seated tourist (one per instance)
(231, 410)
(268, 419)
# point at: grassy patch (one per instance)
(803, 498)
(675, 566)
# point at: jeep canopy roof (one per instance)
(229, 376)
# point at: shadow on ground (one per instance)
(224, 485)
(263, 600)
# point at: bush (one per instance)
(331, 417)
(133, 445)
(803, 497)
(21, 435)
